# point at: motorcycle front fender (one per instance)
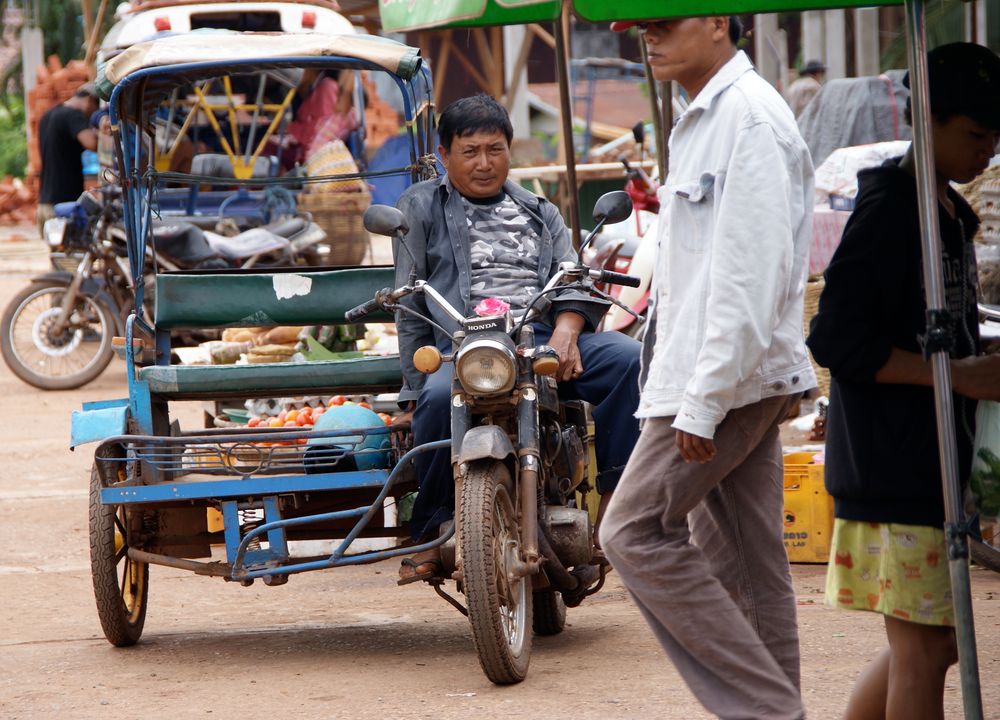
(486, 442)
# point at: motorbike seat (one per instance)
(289, 227)
(247, 244)
(183, 242)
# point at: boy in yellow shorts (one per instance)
(883, 468)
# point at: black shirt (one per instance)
(882, 462)
(62, 167)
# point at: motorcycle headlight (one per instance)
(54, 229)
(486, 367)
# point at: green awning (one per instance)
(405, 15)
(603, 10)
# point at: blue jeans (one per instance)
(609, 382)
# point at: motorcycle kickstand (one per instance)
(436, 582)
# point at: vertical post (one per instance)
(835, 28)
(766, 54)
(866, 45)
(661, 104)
(955, 533)
(813, 37)
(566, 118)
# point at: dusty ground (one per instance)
(335, 644)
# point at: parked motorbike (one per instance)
(630, 246)
(56, 334)
(523, 543)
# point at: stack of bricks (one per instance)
(17, 202)
(381, 120)
(53, 84)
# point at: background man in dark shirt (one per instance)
(63, 133)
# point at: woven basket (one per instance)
(810, 307)
(340, 216)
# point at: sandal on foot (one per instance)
(414, 564)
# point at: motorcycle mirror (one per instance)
(385, 220)
(639, 132)
(613, 207)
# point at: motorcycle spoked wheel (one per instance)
(500, 610)
(49, 360)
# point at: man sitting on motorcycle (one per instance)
(476, 235)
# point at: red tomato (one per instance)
(253, 422)
(317, 412)
(365, 405)
(290, 423)
(336, 400)
(282, 415)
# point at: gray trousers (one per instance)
(699, 547)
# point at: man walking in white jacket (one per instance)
(695, 526)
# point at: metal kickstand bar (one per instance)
(436, 582)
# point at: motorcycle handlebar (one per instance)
(356, 313)
(609, 276)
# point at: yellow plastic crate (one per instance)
(808, 514)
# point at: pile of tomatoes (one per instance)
(306, 416)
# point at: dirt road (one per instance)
(336, 644)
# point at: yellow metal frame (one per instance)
(242, 166)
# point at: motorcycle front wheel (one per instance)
(50, 359)
(499, 603)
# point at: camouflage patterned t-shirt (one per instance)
(503, 252)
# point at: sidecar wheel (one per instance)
(549, 611)
(121, 585)
(499, 607)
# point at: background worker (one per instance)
(805, 87)
(64, 132)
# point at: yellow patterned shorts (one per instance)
(897, 570)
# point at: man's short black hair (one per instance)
(471, 115)
(735, 29)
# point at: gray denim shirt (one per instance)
(439, 241)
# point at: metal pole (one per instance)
(566, 117)
(937, 347)
(654, 101)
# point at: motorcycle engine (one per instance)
(567, 459)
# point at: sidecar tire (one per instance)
(549, 612)
(499, 613)
(121, 599)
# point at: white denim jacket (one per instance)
(725, 328)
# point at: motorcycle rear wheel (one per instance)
(48, 360)
(500, 610)
(549, 611)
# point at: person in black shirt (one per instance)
(63, 133)
(882, 462)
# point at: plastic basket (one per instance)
(808, 513)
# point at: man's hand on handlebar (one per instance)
(568, 327)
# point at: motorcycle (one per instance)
(522, 548)
(57, 333)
